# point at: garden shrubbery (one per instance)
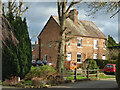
(101, 63)
(41, 71)
(90, 64)
(40, 76)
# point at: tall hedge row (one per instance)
(101, 63)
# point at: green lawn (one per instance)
(107, 77)
(82, 77)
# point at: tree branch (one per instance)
(71, 4)
(115, 13)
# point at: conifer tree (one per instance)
(111, 42)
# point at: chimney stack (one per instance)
(73, 15)
(36, 42)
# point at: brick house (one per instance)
(87, 40)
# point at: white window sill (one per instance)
(79, 47)
(104, 48)
(79, 62)
(95, 48)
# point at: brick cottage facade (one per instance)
(87, 41)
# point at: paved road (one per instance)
(90, 84)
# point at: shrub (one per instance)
(90, 64)
(118, 70)
(42, 75)
(38, 82)
(102, 75)
(41, 71)
(101, 63)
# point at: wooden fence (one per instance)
(86, 73)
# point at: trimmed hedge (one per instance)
(101, 63)
(118, 71)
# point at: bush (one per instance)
(41, 71)
(42, 75)
(118, 70)
(90, 64)
(101, 63)
(102, 75)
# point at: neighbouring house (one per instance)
(87, 41)
(35, 52)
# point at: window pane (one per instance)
(95, 43)
(69, 43)
(95, 56)
(79, 59)
(69, 56)
(79, 42)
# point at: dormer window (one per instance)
(79, 42)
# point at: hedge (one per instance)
(118, 71)
(101, 63)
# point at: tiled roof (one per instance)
(83, 28)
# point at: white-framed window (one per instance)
(69, 43)
(103, 43)
(79, 42)
(33, 57)
(45, 57)
(103, 57)
(69, 56)
(95, 44)
(79, 58)
(95, 56)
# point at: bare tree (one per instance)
(104, 6)
(6, 32)
(63, 11)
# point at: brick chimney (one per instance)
(73, 15)
(36, 42)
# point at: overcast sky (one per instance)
(39, 13)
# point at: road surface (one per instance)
(90, 84)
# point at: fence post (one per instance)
(97, 74)
(61, 74)
(87, 73)
(75, 74)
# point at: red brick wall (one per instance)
(49, 34)
(87, 50)
(36, 53)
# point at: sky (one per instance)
(39, 13)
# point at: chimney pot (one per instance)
(73, 15)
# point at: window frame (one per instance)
(95, 44)
(69, 53)
(33, 57)
(79, 58)
(79, 42)
(69, 43)
(45, 57)
(104, 44)
(94, 56)
(103, 56)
